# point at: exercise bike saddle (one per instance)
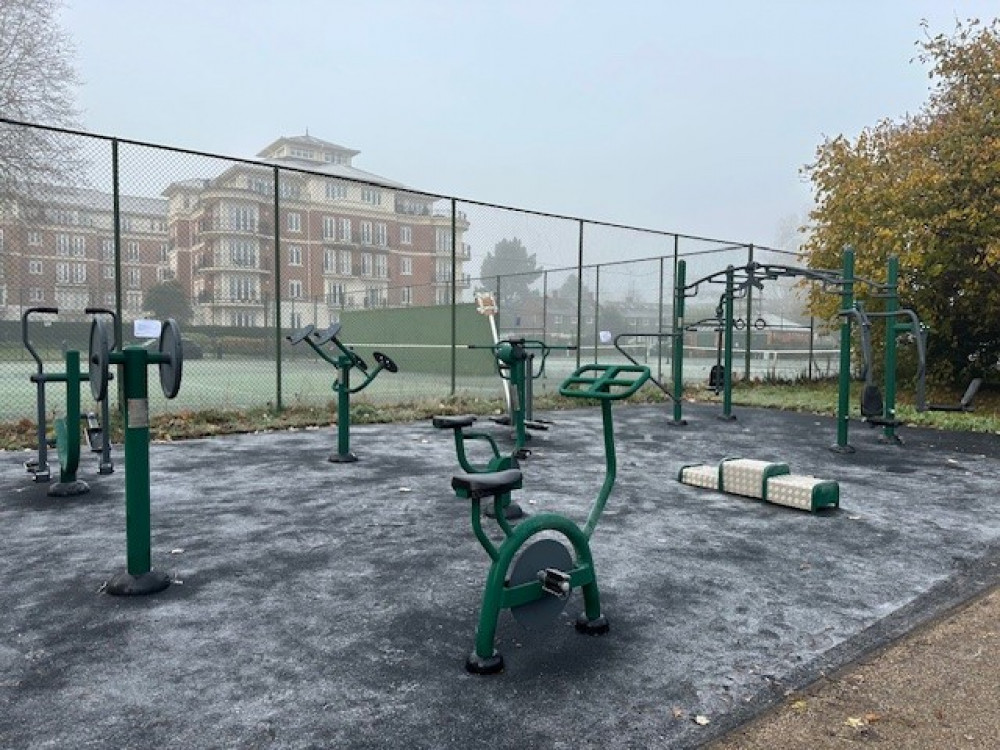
(386, 361)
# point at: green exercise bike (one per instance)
(533, 575)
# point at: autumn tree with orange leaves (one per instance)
(926, 189)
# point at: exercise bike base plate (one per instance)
(342, 458)
(126, 584)
(543, 555)
(69, 489)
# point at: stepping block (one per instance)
(748, 477)
(803, 492)
(700, 475)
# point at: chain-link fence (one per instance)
(243, 252)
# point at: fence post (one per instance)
(116, 220)
(579, 293)
(750, 328)
(545, 300)
(277, 288)
(597, 308)
(659, 327)
(454, 296)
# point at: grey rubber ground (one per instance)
(333, 605)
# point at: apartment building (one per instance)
(348, 239)
(57, 250)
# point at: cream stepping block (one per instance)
(764, 480)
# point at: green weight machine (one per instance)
(345, 361)
(138, 578)
(530, 574)
(66, 428)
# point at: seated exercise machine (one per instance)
(530, 574)
(345, 361)
(515, 360)
(66, 428)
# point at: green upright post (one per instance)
(727, 388)
(343, 386)
(139, 578)
(677, 363)
(844, 383)
(891, 307)
(68, 464)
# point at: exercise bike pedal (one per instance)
(94, 432)
(555, 582)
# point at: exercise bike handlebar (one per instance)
(597, 381)
(24, 330)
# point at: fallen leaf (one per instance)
(678, 713)
(701, 720)
(872, 717)
(853, 721)
(800, 705)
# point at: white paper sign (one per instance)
(605, 337)
(146, 329)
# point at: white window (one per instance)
(366, 233)
(35, 294)
(335, 190)
(62, 273)
(164, 253)
(108, 272)
(34, 239)
(334, 294)
(329, 260)
(134, 278)
(406, 235)
(291, 190)
(295, 289)
(243, 288)
(79, 271)
(344, 230)
(442, 240)
(406, 266)
(242, 319)
(242, 218)
(366, 264)
(294, 222)
(109, 299)
(62, 245)
(381, 234)
(406, 295)
(371, 195)
(79, 247)
(243, 253)
(382, 266)
(294, 255)
(442, 296)
(442, 270)
(126, 223)
(34, 267)
(132, 250)
(295, 320)
(107, 249)
(162, 274)
(345, 262)
(329, 227)
(133, 300)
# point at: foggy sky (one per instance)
(692, 117)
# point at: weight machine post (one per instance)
(891, 307)
(844, 382)
(677, 358)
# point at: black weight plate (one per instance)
(97, 359)
(540, 555)
(386, 362)
(170, 371)
(300, 335)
